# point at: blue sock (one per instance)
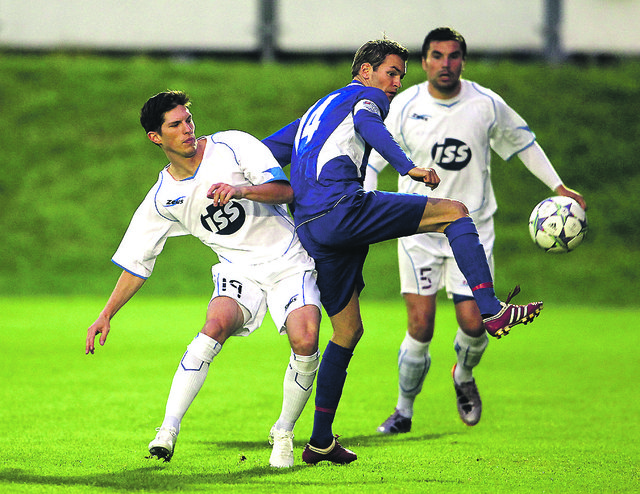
(332, 374)
(472, 261)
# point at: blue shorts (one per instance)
(339, 240)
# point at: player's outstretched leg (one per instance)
(510, 315)
(498, 317)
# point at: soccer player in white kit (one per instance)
(451, 125)
(227, 190)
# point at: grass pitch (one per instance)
(560, 409)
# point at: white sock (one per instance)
(297, 388)
(413, 364)
(189, 378)
(469, 351)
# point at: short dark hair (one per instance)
(152, 113)
(444, 34)
(375, 52)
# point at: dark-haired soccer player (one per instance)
(227, 190)
(450, 124)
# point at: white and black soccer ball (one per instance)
(558, 224)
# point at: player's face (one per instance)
(177, 134)
(444, 64)
(388, 76)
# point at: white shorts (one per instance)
(427, 264)
(280, 293)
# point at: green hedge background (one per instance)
(76, 164)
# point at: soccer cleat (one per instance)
(468, 400)
(510, 315)
(395, 424)
(282, 453)
(334, 453)
(163, 445)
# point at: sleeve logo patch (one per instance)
(368, 105)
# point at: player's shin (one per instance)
(332, 374)
(297, 388)
(469, 351)
(189, 378)
(472, 261)
(414, 361)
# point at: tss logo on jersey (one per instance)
(224, 220)
(452, 154)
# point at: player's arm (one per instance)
(126, 287)
(281, 142)
(370, 126)
(275, 192)
(536, 161)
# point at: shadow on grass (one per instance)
(161, 477)
(362, 440)
(140, 479)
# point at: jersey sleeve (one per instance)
(368, 115)
(256, 160)
(510, 134)
(145, 238)
(280, 143)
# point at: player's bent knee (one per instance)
(458, 209)
(440, 213)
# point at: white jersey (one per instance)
(246, 233)
(455, 137)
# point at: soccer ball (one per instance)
(558, 224)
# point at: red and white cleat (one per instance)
(511, 315)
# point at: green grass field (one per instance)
(560, 406)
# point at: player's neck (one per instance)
(182, 167)
(445, 93)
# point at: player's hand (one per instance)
(222, 193)
(428, 176)
(561, 190)
(101, 327)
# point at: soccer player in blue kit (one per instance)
(336, 220)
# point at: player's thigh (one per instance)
(421, 263)
(369, 218)
(291, 293)
(245, 292)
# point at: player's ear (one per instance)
(366, 69)
(155, 138)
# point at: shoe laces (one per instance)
(280, 434)
(172, 431)
(513, 293)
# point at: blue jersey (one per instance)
(329, 148)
